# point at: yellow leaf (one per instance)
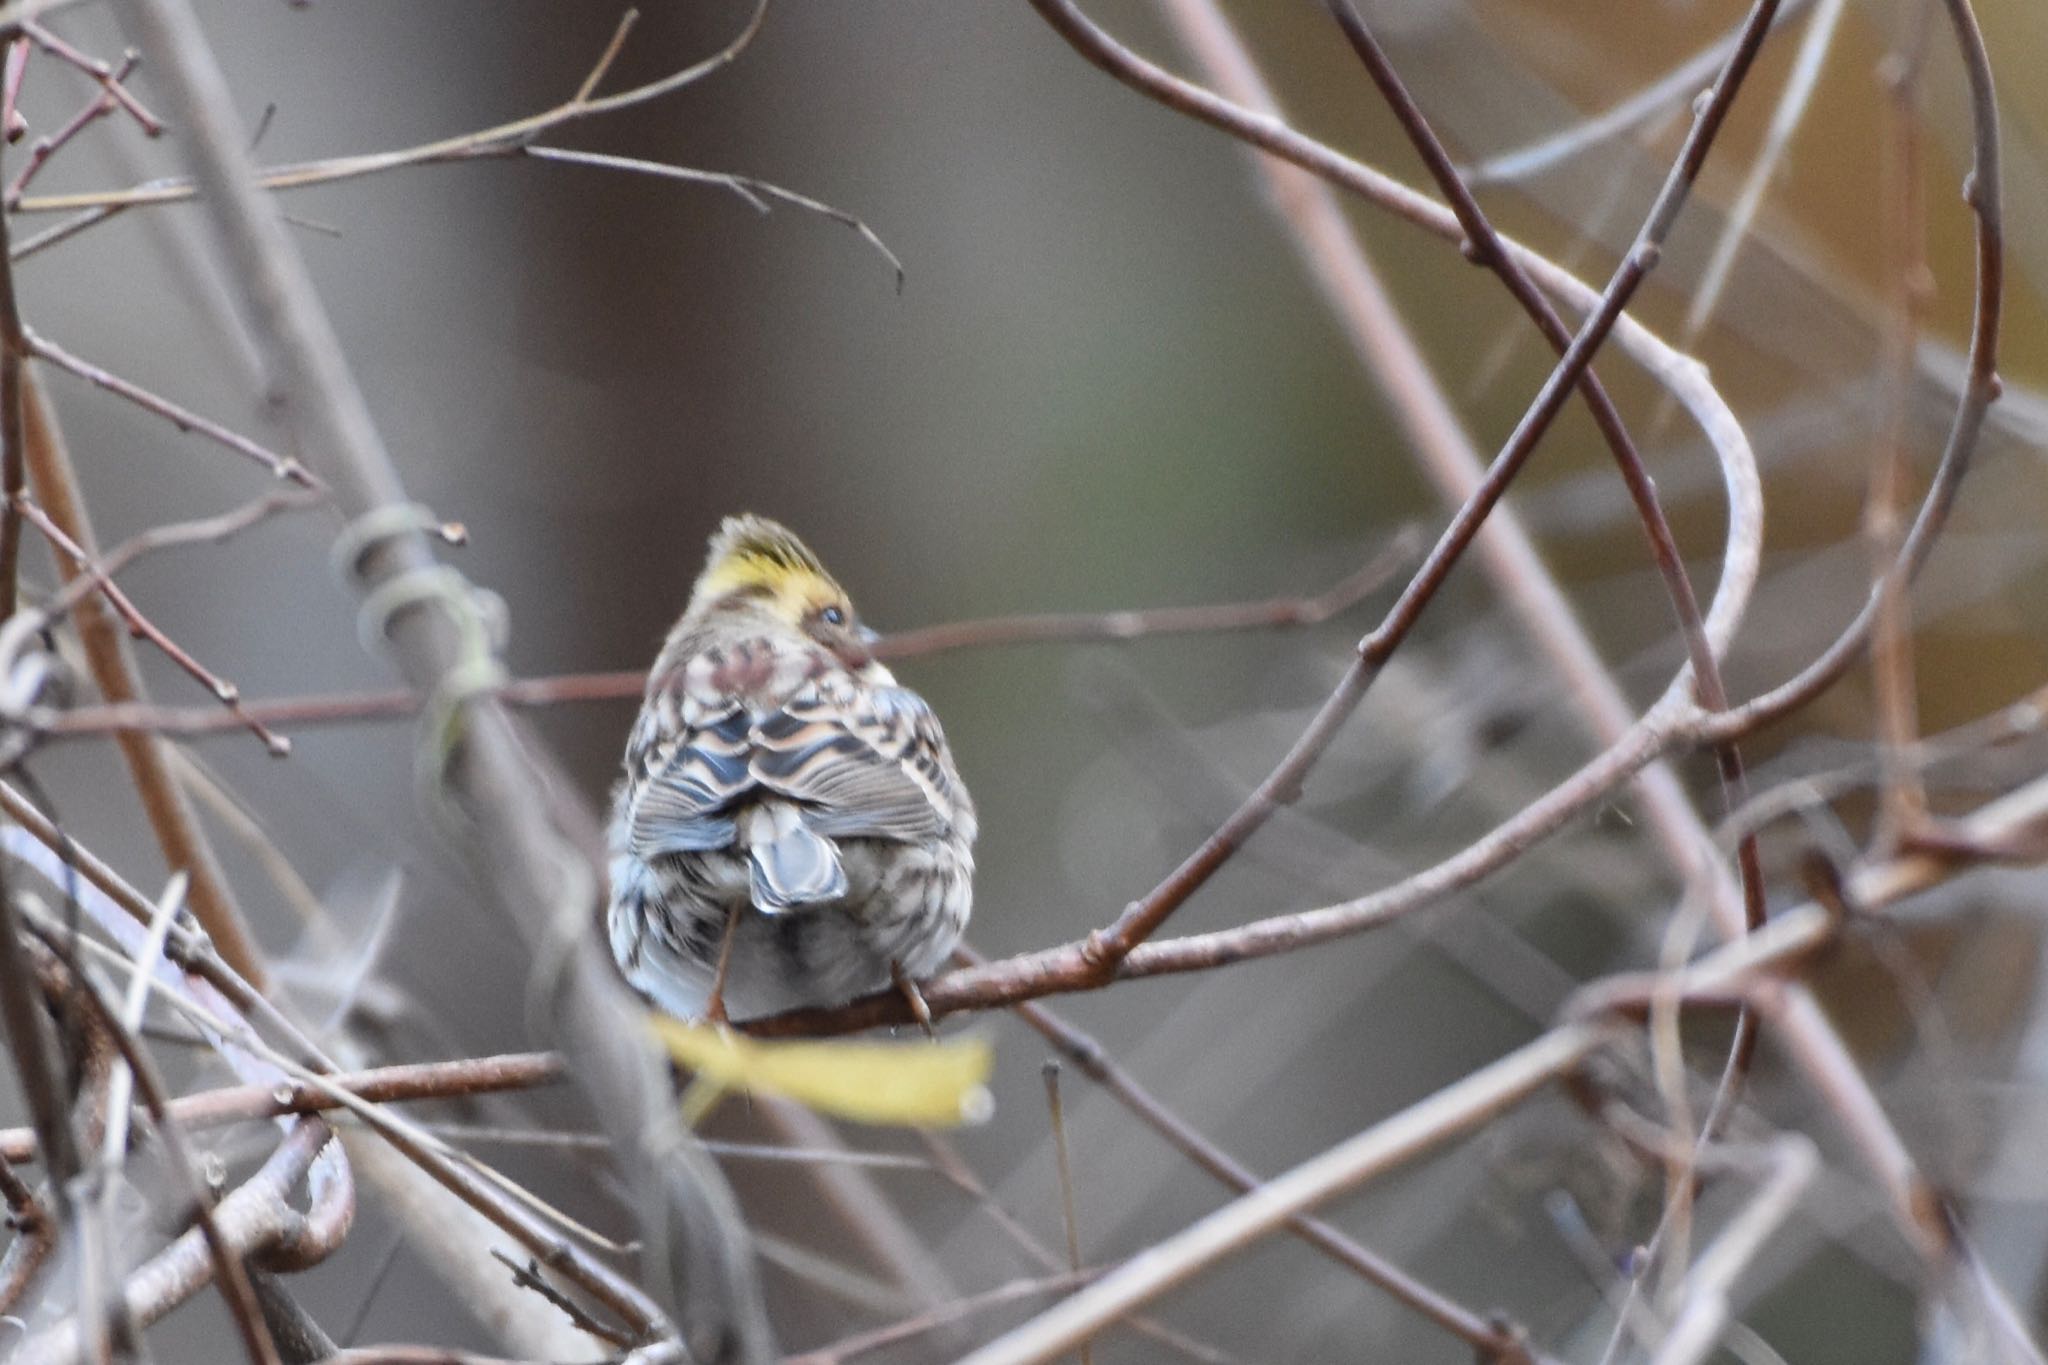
(922, 1084)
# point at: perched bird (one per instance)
(791, 829)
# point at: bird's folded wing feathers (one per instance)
(683, 802)
(870, 768)
(870, 765)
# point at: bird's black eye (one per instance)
(832, 616)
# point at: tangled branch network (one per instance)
(103, 985)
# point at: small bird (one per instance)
(791, 829)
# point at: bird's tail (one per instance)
(789, 864)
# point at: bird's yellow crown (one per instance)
(760, 558)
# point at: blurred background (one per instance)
(1105, 382)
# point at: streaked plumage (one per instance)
(779, 771)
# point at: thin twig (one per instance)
(280, 466)
(1454, 1109)
(44, 148)
(177, 829)
(121, 1085)
(82, 565)
(528, 1277)
(513, 139)
(1663, 98)
(12, 123)
(108, 79)
(13, 460)
(1496, 1341)
(1983, 192)
(1903, 798)
(1065, 1171)
(909, 1329)
(381, 1085)
(227, 1264)
(1106, 947)
(1704, 1311)
(991, 632)
(753, 189)
(1485, 247)
(1785, 121)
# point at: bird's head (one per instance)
(759, 569)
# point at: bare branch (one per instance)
(177, 829)
(692, 1233)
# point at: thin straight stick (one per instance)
(1065, 1171)
(179, 834)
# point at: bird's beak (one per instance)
(867, 635)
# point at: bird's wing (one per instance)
(687, 783)
(864, 763)
(867, 762)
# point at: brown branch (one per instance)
(33, 1044)
(178, 832)
(15, 13)
(1456, 1108)
(1063, 1166)
(225, 1258)
(237, 999)
(2008, 823)
(184, 419)
(628, 685)
(946, 1315)
(1266, 614)
(1740, 968)
(43, 148)
(108, 79)
(1142, 918)
(24, 1210)
(514, 139)
(13, 126)
(528, 1277)
(199, 531)
(1483, 246)
(35, 1238)
(1902, 796)
(37, 1069)
(408, 1081)
(502, 139)
(948, 1162)
(24, 1260)
(13, 462)
(90, 1062)
(83, 566)
(1494, 1340)
(254, 1216)
(1983, 192)
(757, 192)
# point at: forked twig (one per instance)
(514, 139)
